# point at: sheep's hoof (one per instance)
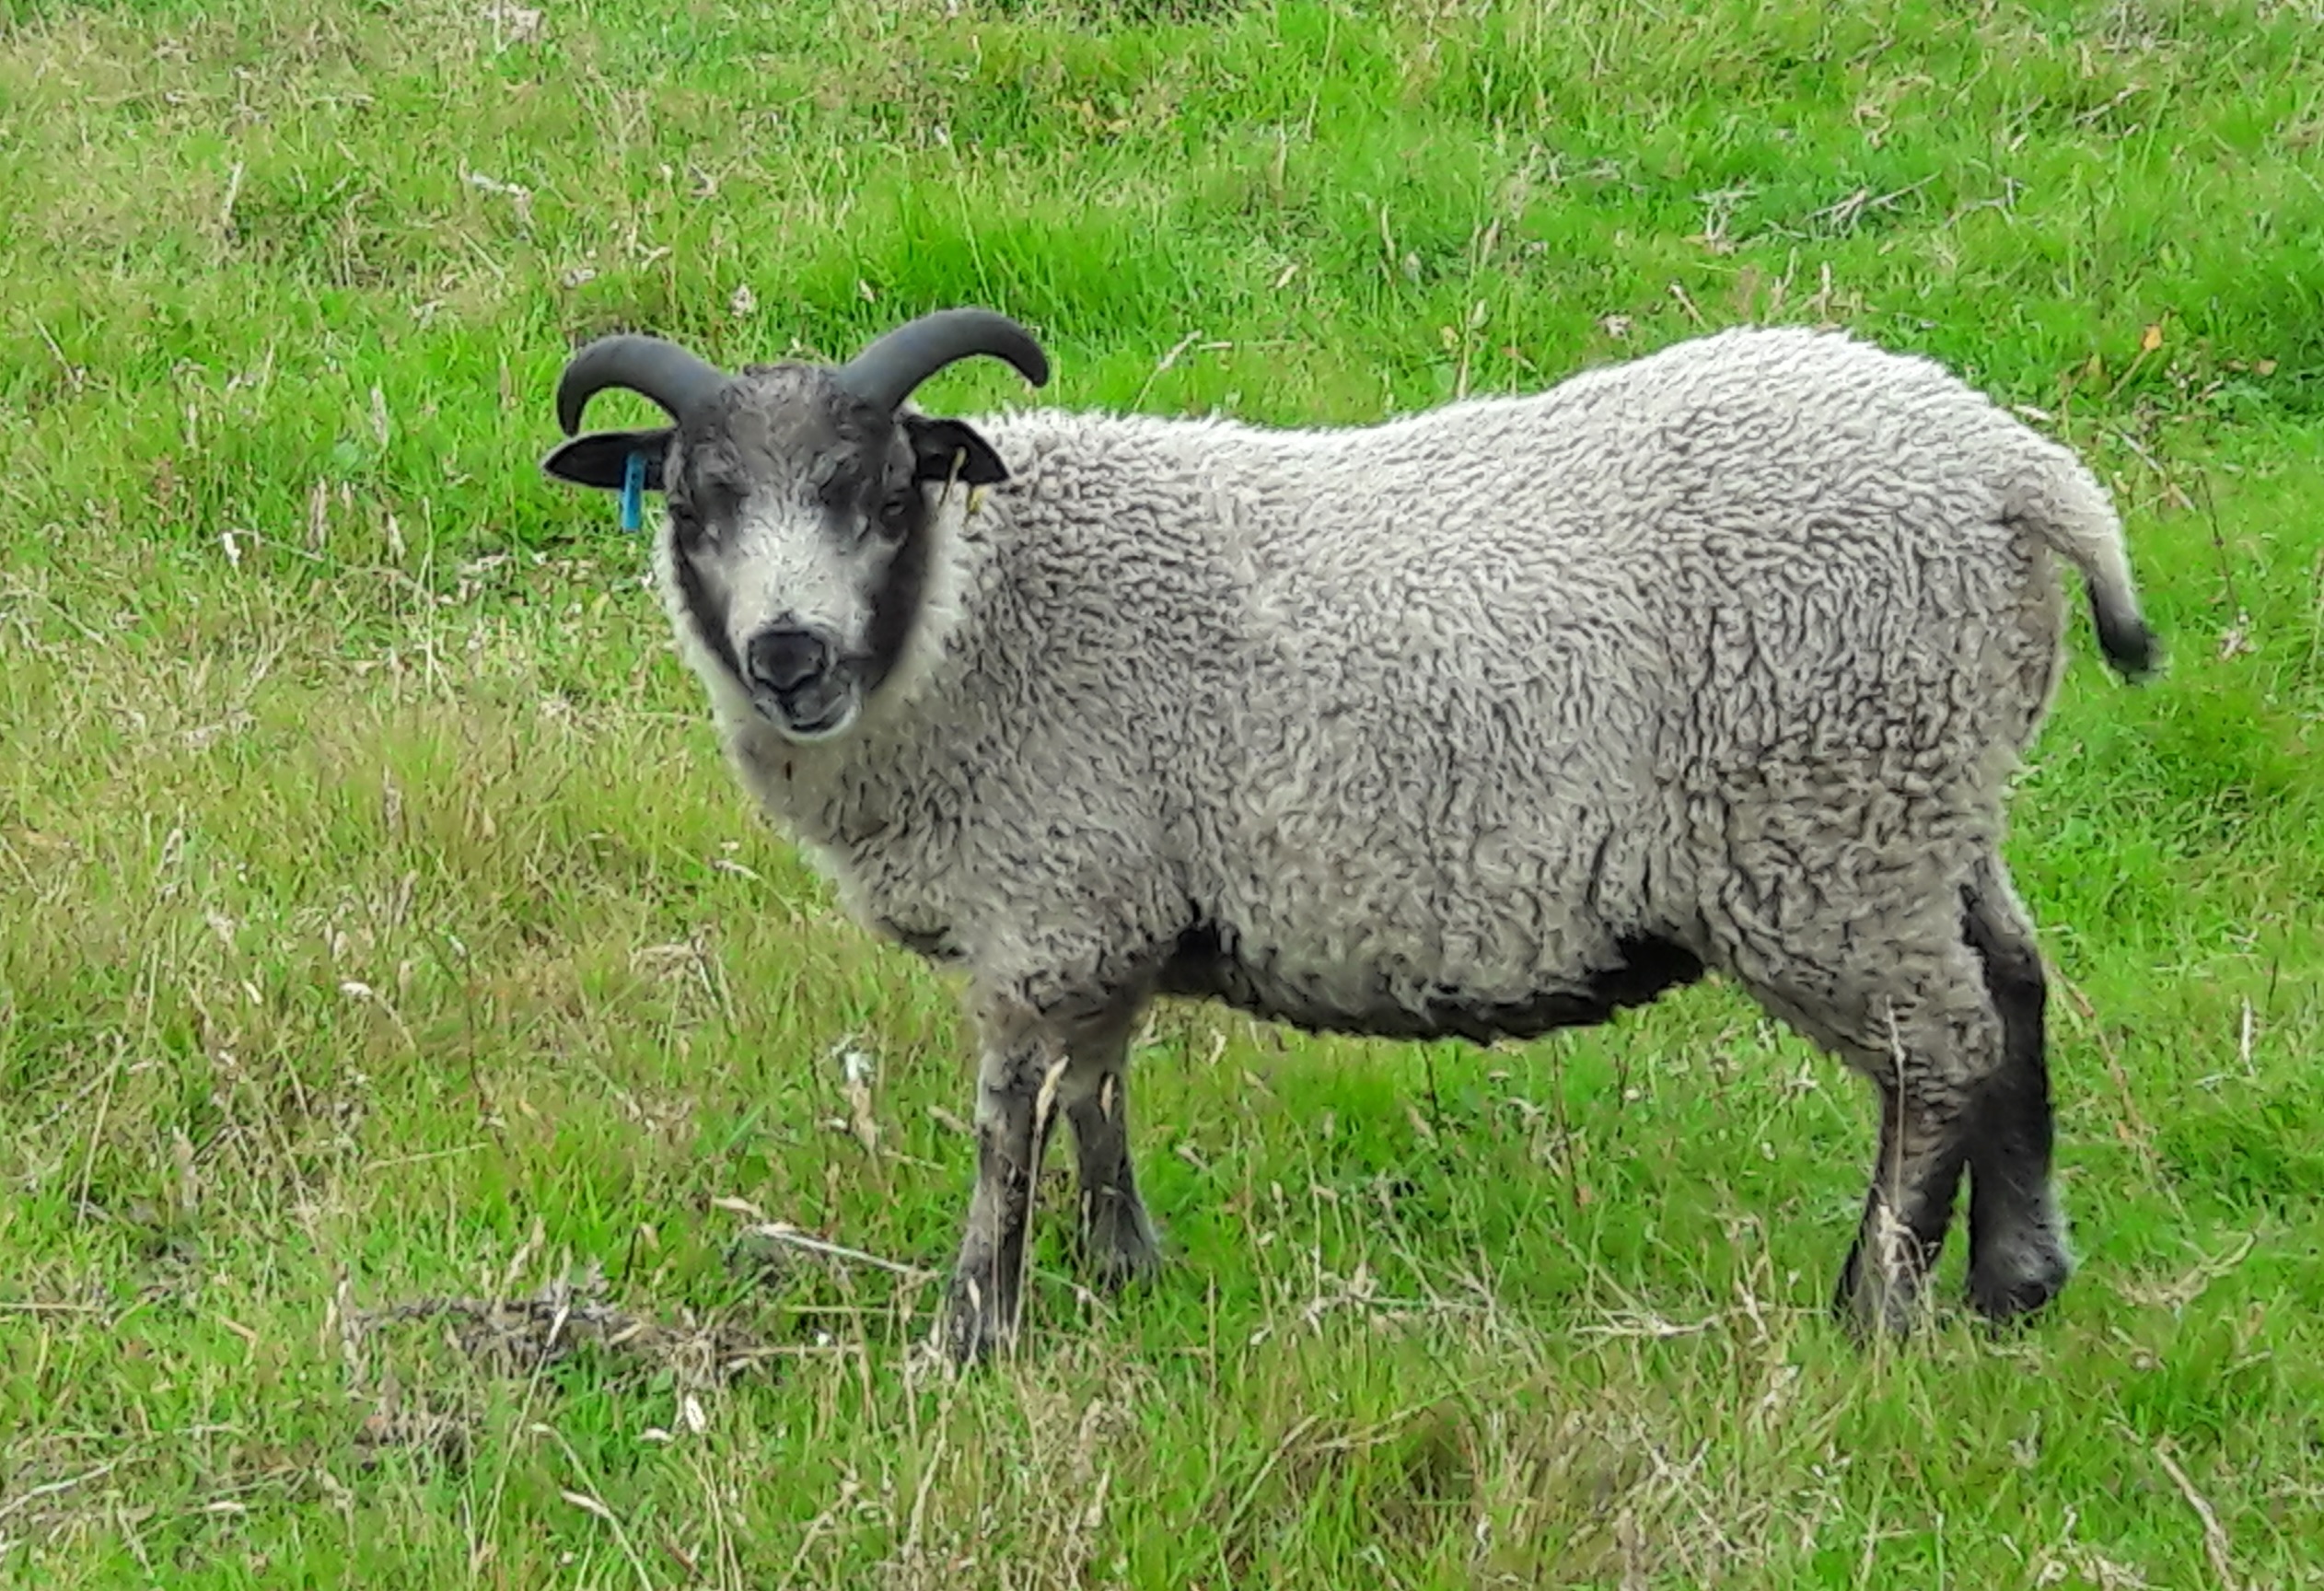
(1878, 1301)
(1120, 1270)
(977, 1325)
(1119, 1246)
(2013, 1280)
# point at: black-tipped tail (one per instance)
(2057, 497)
(2134, 650)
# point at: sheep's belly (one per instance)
(1371, 1002)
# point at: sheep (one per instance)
(1500, 717)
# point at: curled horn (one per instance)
(663, 371)
(887, 371)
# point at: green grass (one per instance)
(377, 923)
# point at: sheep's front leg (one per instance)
(1118, 1240)
(1014, 1113)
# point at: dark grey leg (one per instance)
(1013, 1121)
(1923, 1143)
(1909, 1010)
(1118, 1238)
(2017, 1256)
(1067, 1059)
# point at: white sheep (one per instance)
(1480, 721)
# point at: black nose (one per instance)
(784, 658)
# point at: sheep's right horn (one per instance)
(661, 370)
(885, 373)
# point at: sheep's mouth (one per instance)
(816, 717)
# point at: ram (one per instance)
(1480, 722)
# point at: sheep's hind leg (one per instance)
(1914, 1019)
(1118, 1240)
(1924, 1125)
(2017, 1255)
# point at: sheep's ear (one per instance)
(934, 443)
(599, 458)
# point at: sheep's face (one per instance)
(797, 537)
(796, 551)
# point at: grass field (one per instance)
(378, 926)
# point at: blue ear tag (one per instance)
(633, 490)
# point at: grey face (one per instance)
(798, 531)
(798, 528)
(799, 499)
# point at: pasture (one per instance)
(408, 1033)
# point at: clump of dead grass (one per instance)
(568, 1320)
(519, 1336)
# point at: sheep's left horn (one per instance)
(886, 372)
(661, 370)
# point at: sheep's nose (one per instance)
(786, 657)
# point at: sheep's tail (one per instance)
(2061, 501)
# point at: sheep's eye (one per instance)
(895, 514)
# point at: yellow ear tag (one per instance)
(976, 493)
